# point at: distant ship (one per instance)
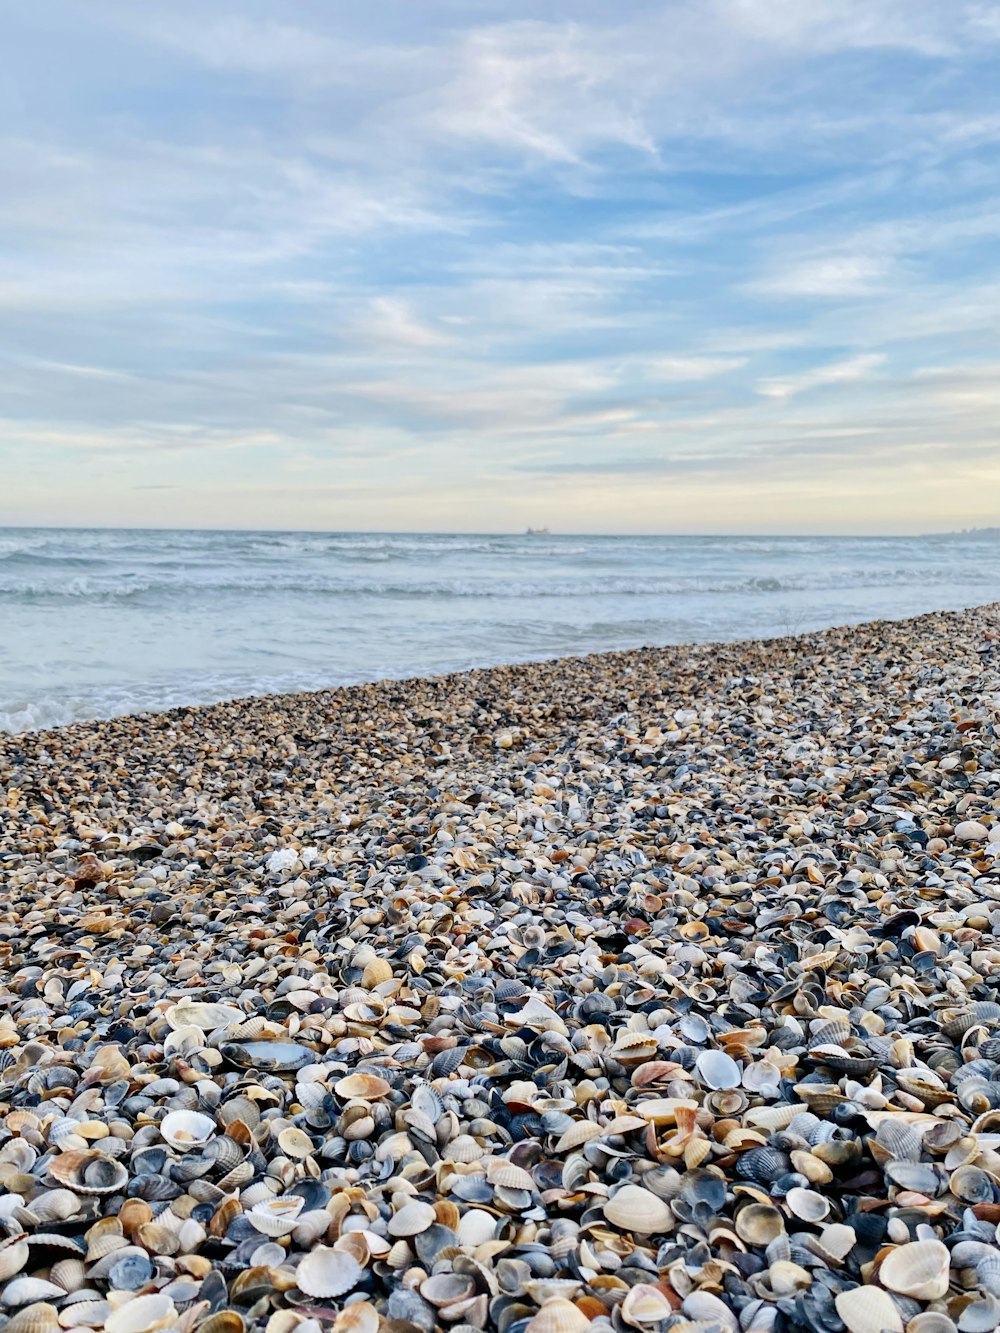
(537, 532)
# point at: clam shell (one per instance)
(29, 1290)
(40, 1318)
(718, 1070)
(414, 1216)
(88, 1172)
(645, 1304)
(13, 1256)
(184, 1130)
(325, 1272)
(206, 1017)
(363, 1087)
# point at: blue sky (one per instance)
(703, 265)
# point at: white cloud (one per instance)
(836, 372)
(680, 368)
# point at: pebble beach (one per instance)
(653, 990)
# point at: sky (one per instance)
(693, 266)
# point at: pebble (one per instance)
(655, 990)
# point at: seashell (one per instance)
(868, 1309)
(29, 1290)
(638, 1210)
(558, 1316)
(971, 1185)
(206, 1017)
(326, 1272)
(184, 1130)
(363, 1087)
(295, 1143)
(645, 1304)
(276, 1217)
(142, 1314)
(931, 1321)
(759, 1224)
(39, 1318)
(718, 1070)
(223, 1321)
(70, 1274)
(87, 1172)
(414, 1216)
(57, 1205)
(509, 1176)
(980, 1316)
(276, 1056)
(85, 1314)
(310, 1226)
(919, 1269)
(807, 1204)
(444, 1289)
(358, 1317)
(13, 1255)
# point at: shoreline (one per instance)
(309, 696)
(655, 989)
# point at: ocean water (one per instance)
(97, 623)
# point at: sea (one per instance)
(104, 622)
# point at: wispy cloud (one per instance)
(620, 251)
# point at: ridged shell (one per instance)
(869, 1309)
(558, 1316)
(54, 1206)
(277, 1217)
(645, 1304)
(919, 1269)
(327, 1272)
(29, 1290)
(13, 1256)
(142, 1314)
(88, 1172)
(414, 1216)
(40, 1318)
(638, 1210)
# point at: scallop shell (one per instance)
(919, 1269)
(184, 1130)
(638, 1210)
(326, 1272)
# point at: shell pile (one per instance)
(654, 991)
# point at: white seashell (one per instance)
(205, 1017)
(645, 1304)
(327, 1272)
(475, 1227)
(13, 1256)
(142, 1314)
(277, 1217)
(868, 1310)
(919, 1269)
(718, 1070)
(414, 1216)
(704, 1306)
(186, 1129)
(27, 1290)
(638, 1210)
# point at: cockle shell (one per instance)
(638, 1210)
(325, 1272)
(869, 1309)
(558, 1316)
(919, 1269)
(142, 1314)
